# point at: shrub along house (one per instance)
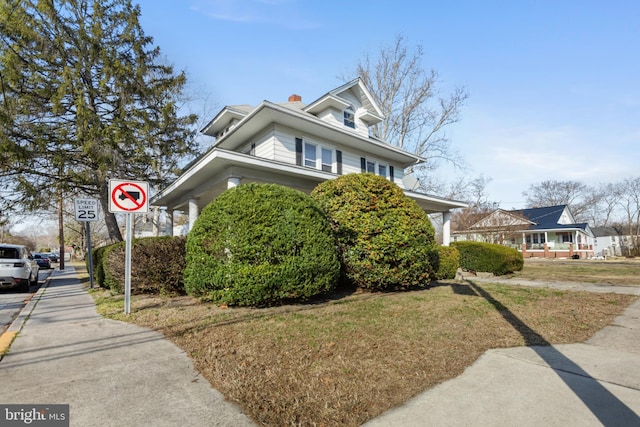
(547, 232)
(297, 145)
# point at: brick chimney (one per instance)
(295, 98)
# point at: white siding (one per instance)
(333, 117)
(284, 146)
(350, 163)
(565, 218)
(278, 143)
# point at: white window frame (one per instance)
(349, 117)
(386, 169)
(373, 166)
(318, 162)
(305, 155)
(324, 150)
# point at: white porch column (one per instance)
(446, 228)
(169, 221)
(155, 223)
(193, 212)
(233, 181)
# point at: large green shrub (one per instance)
(489, 257)
(157, 265)
(261, 244)
(385, 240)
(448, 262)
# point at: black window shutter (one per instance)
(339, 161)
(391, 173)
(299, 151)
(363, 164)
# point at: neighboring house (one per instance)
(610, 241)
(144, 226)
(549, 232)
(296, 145)
(607, 241)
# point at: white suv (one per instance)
(18, 269)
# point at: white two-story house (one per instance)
(296, 145)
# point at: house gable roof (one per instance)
(500, 219)
(336, 99)
(543, 218)
(547, 217)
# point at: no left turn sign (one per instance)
(128, 196)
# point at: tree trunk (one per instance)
(109, 217)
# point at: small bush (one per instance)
(112, 267)
(489, 257)
(157, 265)
(385, 239)
(98, 266)
(448, 262)
(261, 244)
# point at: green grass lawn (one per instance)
(345, 360)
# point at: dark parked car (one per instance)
(53, 257)
(42, 260)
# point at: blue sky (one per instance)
(554, 86)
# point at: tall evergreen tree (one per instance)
(85, 97)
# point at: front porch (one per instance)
(555, 244)
(562, 250)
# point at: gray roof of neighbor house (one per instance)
(605, 231)
(547, 217)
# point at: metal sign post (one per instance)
(89, 255)
(87, 211)
(129, 197)
(127, 267)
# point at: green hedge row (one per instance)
(265, 244)
(157, 265)
(488, 257)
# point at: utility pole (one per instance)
(61, 228)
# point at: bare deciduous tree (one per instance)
(416, 114)
(629, 200)
(576, 195)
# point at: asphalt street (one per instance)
(11, 302)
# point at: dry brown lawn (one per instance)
(615, 271)
(343, 361)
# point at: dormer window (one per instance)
(350, 117)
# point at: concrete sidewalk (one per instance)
(110, 373)
(596, 383)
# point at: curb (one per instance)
(6, 339)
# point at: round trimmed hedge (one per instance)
(385, 240)
(261, 244)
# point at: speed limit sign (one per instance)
(86, 210)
